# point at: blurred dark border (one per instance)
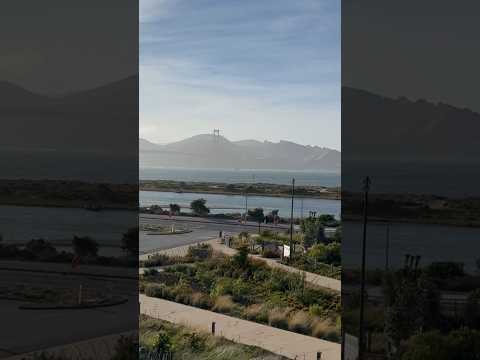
(410, 122)
(69, 178)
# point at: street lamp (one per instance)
(291, 222)
(366, 188)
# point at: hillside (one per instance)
(208, 151)
(433, 131)
(86, 135)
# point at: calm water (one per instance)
(280, 177)
(236, 203)
(432, 242)
(21, 224)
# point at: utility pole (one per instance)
(366, 188)
(291, 222)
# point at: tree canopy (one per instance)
(199, 207)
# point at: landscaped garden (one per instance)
(312, 250)
(247, 288)
(161, 337)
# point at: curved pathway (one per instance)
(281, 342)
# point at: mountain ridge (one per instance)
(210, 151)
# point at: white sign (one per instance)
(286, 251)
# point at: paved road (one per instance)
(202, 229)
(285, 343)
(32, 330)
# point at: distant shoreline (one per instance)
(239, 189)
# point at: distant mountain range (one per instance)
(407, 130)
(101, 119)
(209, 151)
(88, 135)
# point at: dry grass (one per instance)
(278, 317)
(325, 329)
(300, 322)
(224, 304)
(201, 300)
(256, 312)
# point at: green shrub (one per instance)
(162, 342)
(158, 291)
(317, 310)
(150, 272)
(156, 260)
(223, 286)
(270, 254)
(182, 292)
(240, 291)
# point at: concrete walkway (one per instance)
(311, 278)
(281, 342)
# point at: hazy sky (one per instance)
(53, 46)
(254, 69)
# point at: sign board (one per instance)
(286, 251)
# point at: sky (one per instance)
(48, 49)
(416, 49)
(265, 70)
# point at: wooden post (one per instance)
(213, 327)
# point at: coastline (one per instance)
(238, 189)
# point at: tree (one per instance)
(313, 231)
(40, 248)
(412, 303)
(257, 215)
(155, 209)
(174, 209)
(130, 241)
(84, 246)
(273, 216)
(199, 208)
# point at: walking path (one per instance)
(281, 342)
(311, 278)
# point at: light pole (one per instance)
(366, 188)
(291, 222)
